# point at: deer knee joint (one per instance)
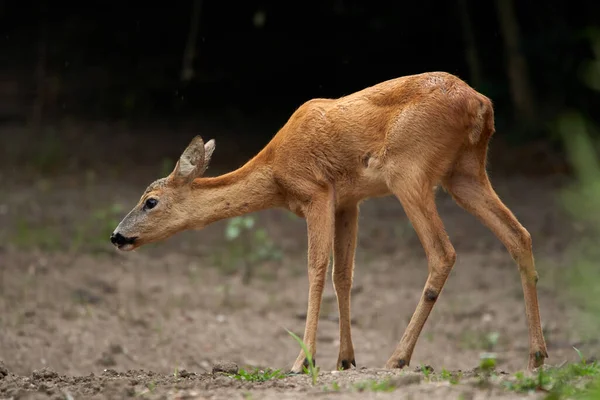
(431, 295)
(446, 262)
(450, 258)
(443, 261)
(521, 250)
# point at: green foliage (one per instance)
(580, 354)
(578, 281)
(312, 369)
(247, 245)
(445, 374)
(237, 225)
(578, 380)
(335, 387)
(375, 386)
(426, 371)
(487, 362)
(453, 378)
(151, 386)
(258, 375)
(487, 366)
(525, 384)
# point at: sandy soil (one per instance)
(79, 320)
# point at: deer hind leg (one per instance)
(344, 248)
(418, 201)
(469, 185)
(320, 224)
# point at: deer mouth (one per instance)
(126, 247)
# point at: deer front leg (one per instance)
(344, 247)
(319, 220)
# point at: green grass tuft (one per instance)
(258, 375)
(573, 381)
(374, 386)
(311, 370)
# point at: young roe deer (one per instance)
(404, 137)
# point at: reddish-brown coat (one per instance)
(401, 137)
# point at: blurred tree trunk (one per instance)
(521, 91)
(37, 112)
(187, 68)
(470, 44)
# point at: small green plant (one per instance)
(311, 369)
(335, 387)
(151, 386)
(375, 386)
(248, 245)
(578, 380)
(487, 365)
(426, 370)
(487, 362)
(525, 384)
(258, 375)
(453, 378)
(580, 354)
(445, 374)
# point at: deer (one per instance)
(403, 137)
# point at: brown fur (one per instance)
(403, 137)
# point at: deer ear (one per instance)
(193, 161)
(209, 147)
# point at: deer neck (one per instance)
(248, 189)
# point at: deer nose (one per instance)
(117, 239)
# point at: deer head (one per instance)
(164, 208)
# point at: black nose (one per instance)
(119, 240)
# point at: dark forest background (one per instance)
(251, 63)
(99, 99)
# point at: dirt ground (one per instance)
(79, 320)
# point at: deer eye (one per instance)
(150, 204)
